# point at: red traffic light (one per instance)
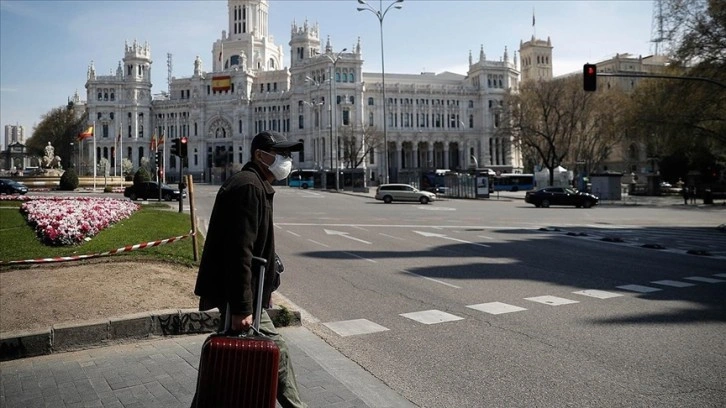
(183, 147)
(589, 77)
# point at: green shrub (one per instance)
(108, 189)
(141, 176)
(69, 180)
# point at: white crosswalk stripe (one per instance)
(431, 317)
(675, 284)
(354, 327)
(551, 300)
(703, 279)
(496, 308)
(638, 288)
(599, 294)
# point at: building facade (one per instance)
(321, 97)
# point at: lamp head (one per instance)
(361, 8)
(362, 2)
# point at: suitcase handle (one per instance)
(258, 309)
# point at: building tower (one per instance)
(137, 87)
(247, 43)
(536, 59)
(304, 42)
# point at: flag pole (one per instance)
(163, 155)
(115, 155)
(93, 132)
(121, 152)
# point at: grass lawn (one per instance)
(153, 222)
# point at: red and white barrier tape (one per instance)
(127, 248)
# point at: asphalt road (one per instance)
(495, 303)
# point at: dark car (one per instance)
(150, 189)
(548, 196)
(8, 186)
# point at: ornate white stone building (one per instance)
(434, 121)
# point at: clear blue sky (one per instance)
(46, 46)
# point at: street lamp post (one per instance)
(334, 62)
(70, 158)
(381, 14)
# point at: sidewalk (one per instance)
(162, 372)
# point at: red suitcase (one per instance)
(239, 371)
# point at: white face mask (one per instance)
(281, 167)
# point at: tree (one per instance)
(358, 143)
(547, 118)
(604, 130)
(126, 167)
(60, 127)
(680, 119)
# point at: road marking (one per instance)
(359, 257)
(435, 208)
(345, 234)
(675, 284)
(485, 237)
(431, 317)
(496, 308)
(294, 234)
(391, 236)
(434, 280)
(319, 243)
(431, 234)
(600, 294)
(551, 300)
(638, 288)
(355, 327)
(702, 279)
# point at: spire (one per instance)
(328, 47)
(357, 47)
(482, 57)
(506, 54)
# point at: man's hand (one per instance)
(241, 323)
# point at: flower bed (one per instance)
(70, 220)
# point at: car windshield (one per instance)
(570, 191)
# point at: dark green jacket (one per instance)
(240, 227)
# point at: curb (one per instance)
(74, 336)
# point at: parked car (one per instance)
(403, 192)
(150, 189)
(547, 196)
(8, 186)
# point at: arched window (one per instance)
(351, 77)
(370, 101)
(337, 77)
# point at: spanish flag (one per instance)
(153, 142)
(86, 134)
(161, 140)
(221, 83)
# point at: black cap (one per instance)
(273, 141)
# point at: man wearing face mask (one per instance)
(240, 227)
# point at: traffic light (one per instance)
(176, 147)
(589, 77)
(183, 147)
(159, 156)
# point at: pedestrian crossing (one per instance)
(359, 327)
